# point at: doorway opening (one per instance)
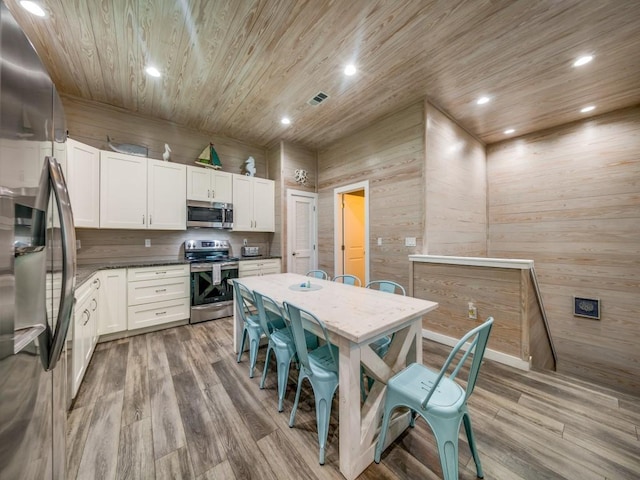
(351, 244)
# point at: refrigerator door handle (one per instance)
(68, 238)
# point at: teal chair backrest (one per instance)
(244, 298)
(387, 286)
(348, 279)
(477, 340)
(296, 315)
(264, 303)
(318, 274)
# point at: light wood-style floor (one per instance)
(175, 404)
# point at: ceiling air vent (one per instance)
(318, 99)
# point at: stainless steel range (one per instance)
(211, 268)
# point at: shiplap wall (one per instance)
(294, 157)
(274, 167)
(456, 189)
(90, 122)
(390, 155)
(569, 198)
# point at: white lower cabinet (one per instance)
(250, 268)
(113, 301)
(85, 327)
(157, 295)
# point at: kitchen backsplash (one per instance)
(106, 245)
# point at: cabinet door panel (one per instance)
(157, 313)
(198, 184)
(167, 196)
(242, 203)
(123, 191)
(113, 301)
(83, 182)
(264, 205)
(222, 187)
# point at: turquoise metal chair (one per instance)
(321, 274)
(320, 367)
(381, 346)
(348, 280)
(440, 400)
(251, 323)
(280, 342)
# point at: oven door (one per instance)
(210, 285)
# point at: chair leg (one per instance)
(284, 360)
(323, 393)
(446, 433)
(292, 418)
(253, 355)
(472, 444)
(383, 431)
(266, 367)
(244, 336)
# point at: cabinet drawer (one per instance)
(149, 273)
(140, 316)
(148, 291)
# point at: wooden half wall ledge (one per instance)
(501, 288)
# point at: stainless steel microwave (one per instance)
(209, 215)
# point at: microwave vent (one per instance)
(318, 99)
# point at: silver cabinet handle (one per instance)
(161, 313)
(97, 283)
(161, 290)
(86, 313)
(143, 219)
(54, 180)
(95, 304)
(208, 193)
(161, 273)
(150, 219)
(213, 194)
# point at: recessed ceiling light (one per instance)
(483, 100)
(32, 7)
(350, 70)
(588, 109)
(153, 71)
(583, 60)
(285, 121)
(509, 131)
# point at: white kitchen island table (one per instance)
(354, 317)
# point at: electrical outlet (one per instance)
(379, 241)
(147, 242)
(410, 241)
(78, 244)
(473, 311)
(244, 242)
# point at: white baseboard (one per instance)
(490, 354)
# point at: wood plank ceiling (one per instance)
(236, 67)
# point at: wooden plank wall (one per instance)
(494, 291)
(569, 198)
(90, 122)
(295, 157)
(390, 155)
(274, 167)
(456, 214)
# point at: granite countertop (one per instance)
(84, 272)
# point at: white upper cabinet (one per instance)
(208, 185)
(166, 195)
(83, 182)
(253, 204)
(141, 193)
(123, 191)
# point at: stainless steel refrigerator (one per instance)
(37, 264)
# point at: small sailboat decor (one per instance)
(209, 158)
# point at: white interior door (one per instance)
(302, 253)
